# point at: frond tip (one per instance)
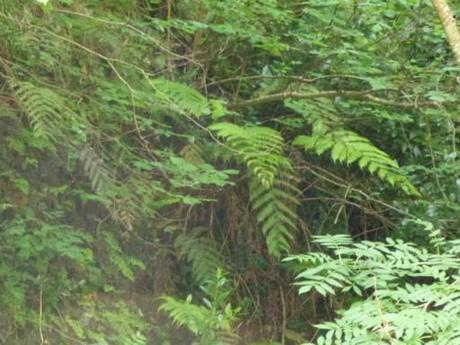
(275, 209)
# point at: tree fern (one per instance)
(273, 190)
(201, 252)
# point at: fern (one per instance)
(260, 148)
(124, 265)
(45, 109)
(180, 97)
(126, 211)
(273, 190)
(348, 147)
(200, 320)
(211, 322)
(95, 169)
(193, 153)
(401, 308)
(186, 314)
(275, 209)
(201, 252)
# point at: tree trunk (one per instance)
(450, 27)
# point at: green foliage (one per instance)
(117, 122)
(273, 191)
(260, 148)
(275, 209)
(47, 111)
(193, 173)
(37, 256)
(202, 252)
(180, 97)
(122, 326)
(408, 295)
(211, 322)
(348, 147)
(124, 265)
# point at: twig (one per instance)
(299, 79)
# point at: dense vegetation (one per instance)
(228, 172)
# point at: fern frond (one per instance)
(95, 169)
(346, 146)
(126, 211)
(123, 264)
(260, 148)
(273, 191)
(212, 322)
(275, 209)
(186, 314)
(180, 97)
(192, 153)
(201, 252)
(211, 326)
(349, 147)
(45, 109)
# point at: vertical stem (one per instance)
(168, 39)
(40, 317)
(450, 27)
(284, 325)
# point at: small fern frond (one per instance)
(123, 264)
(126, 211)
(201, 252)
(180, 97)
(45, 109)
(186, 314)
(192, 153)
(211, 322)
(95, 169)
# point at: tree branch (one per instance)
(359, 95)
